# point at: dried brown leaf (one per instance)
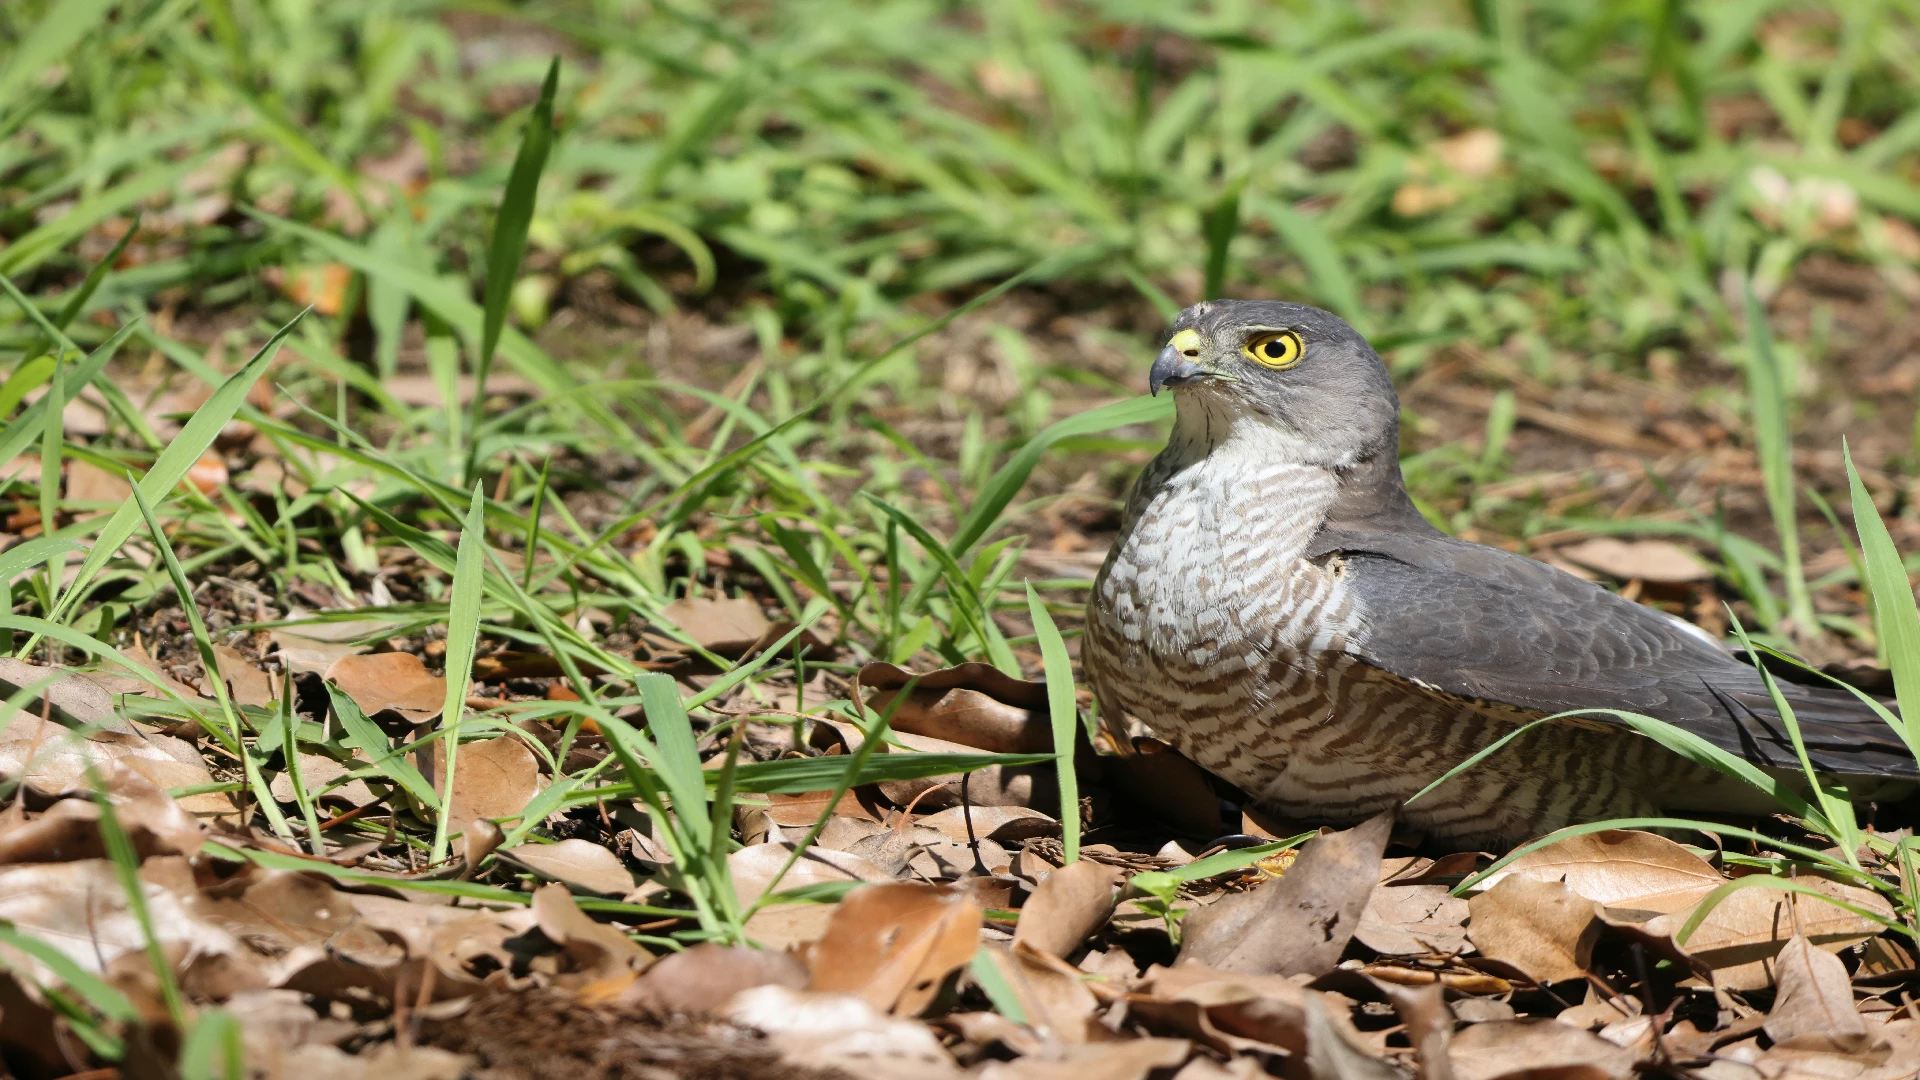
(246, 684)
(496, 778)
(841, 1031)
(1004, 824)
(598, 950)
(1406, 920)
(1660, 561)
(582, 864)
(1132, 1059)
(1622, 869)
(54, 761)
(702, 978)
(721, 625)
(1429, 1025)
(77, 701)
(1502, 1048)
(787, 925)
(1068, 907)
(968, 716)
(1299, 923)
(394, 682)
(1744, 932)
(1053, 995)
(70, 829)
(1332, 1053)
(1814, 1007)
(893, 944)
(1540, 927)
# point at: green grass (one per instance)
(865, 198)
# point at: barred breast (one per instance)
(1209, 625)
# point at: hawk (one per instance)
(1276, 608)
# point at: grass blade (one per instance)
(1064, 711)
(1773, 439)
(509, 243)
(463, 634)
(1896, 617)
(57, 32)
(173, 462)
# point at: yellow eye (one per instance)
(1276, 350)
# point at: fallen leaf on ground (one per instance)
(115, 680)
(1744, 932)
(893, 944)
(702, 978)
(1541, 927)
(89, 483)
(246, 684)
(1622, 869)
(390, 682)
(1069, 906)
(494, 778)
(724, 626)
(579, 863)
(1814, 1007)
(1660, 561)
(843, 1032)
(1407, 920)
(787, 925)
(1299, 923)
(1005, 824)
(975, 705)
(1052, 994)
(600, 951)
(316, 772)
(1429, 1026)
(1332, 1055)
(1499, 1047)
(79, 908)
(1131, 1059)
(77, 701)
(69, 830)
(60, 759)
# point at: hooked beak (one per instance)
(1173, 368)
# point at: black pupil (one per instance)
(1275, 349)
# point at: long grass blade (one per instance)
(463, 635)
(1064, 712)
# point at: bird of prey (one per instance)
(1278, 610)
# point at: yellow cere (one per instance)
(1186, 343)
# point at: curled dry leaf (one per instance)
(1814, 1008)
(479, 840)
(599, 950)
(1502, 1047)
(893, 944)
(1408, 920)
(1429, 1025)
(1622, 869)
(496, 778)
(1007, 825)
(975, 705)
(1299, 923)
(703, 978)
(1068, 907)
(1332, 1053)
(316, 772)
(114, 679)
(581, 864)
(1053, 995)
(825, 1030)
(1540, 927)
(70, 829)
(390, 682)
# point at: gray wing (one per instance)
(1486, 624)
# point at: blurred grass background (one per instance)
(1546, 215)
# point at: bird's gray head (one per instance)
(1300, 370)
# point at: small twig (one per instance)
(973, 842)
